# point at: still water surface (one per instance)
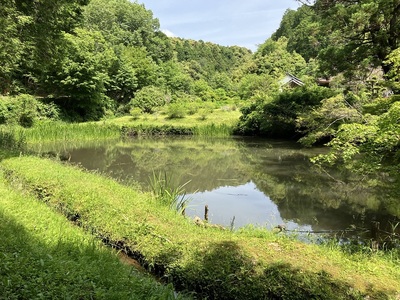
(248, 181)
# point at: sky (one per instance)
(246, 23)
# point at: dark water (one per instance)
(249, 181)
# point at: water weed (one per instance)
(51, 131)
(168, 193)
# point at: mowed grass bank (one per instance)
(44, 256)
(213, 263)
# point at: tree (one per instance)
(361, 32)
(10, 44)
(42, 25)
(130, 24)
(276, 116)
(273, 58)
(322, 122)
(304, 31)
(82, 73)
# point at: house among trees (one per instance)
(291, 81)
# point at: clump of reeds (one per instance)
(167, 193)
(222, 130)
(51, 131)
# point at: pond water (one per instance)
(248, 181)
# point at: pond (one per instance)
(248, 181)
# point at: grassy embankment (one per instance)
(219, 264)
(218, 123)
(44, 256)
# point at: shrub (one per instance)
(176, 111)
(28, 110)
(149, 98)
(135, 112)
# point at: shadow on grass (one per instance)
(225, 272)
(67, 269)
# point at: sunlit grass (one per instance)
(218, 123)
(51, 131)
(251, 263)
(43, 256)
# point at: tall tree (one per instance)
(130, 24)
(361, 32)
(34, 30)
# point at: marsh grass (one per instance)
(168, 193)
(214, 130)
(43, 256)
(250, 263)
(57, 131)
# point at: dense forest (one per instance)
(87, 60)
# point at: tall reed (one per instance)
(221, 130)
(51, 131)
(167, 193)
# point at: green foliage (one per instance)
(33, 38)
(167, 193)
(378, 140)
(26, 110)
(276, 116)
(174, 79)
(10, 44)
(135, 112)
(322, 122)
(358, 33)
(273, 58)
(149, 98)
(305, 34)
(176, 110)
(84, 68)
(207, 59)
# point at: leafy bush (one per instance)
(149, 98)
(176, 111)
(3, 111)
(276, 117)
(135, 112)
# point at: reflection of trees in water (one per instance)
(280, 170)
(308, 196)
(207, 165)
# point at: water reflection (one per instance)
(254, 181)
(238, 206)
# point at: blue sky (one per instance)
(246, 23)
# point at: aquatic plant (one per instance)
(213, 130)
(167, 193)
(50, 131)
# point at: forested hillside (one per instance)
(86, 60)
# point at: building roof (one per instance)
(291, 80)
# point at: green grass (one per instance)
(50, 131)
(43, 256)
(218, 123)
(219, 264)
